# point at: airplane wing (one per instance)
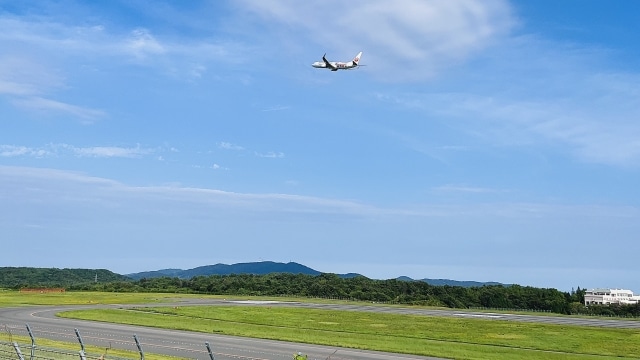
(329, 65)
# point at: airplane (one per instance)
(337, 65)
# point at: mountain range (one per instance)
(268, 267)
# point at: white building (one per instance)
(610, 296)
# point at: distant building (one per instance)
(610, 296)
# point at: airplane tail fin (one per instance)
(356, 59)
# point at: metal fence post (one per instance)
(79, 339)
(139, 347)
(15, 345)
(33, 342)
(209, 350)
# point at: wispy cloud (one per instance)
(288, 202)
(17, 151)
(424, 37)
(229, 146)
(39, 54)
(215, 166)
(270, 154)
(70, 206)
(276, 108)
(465, 189)
(142, 43)
(567, 96)
(109, 151)
(40, 34)
(66, 149)
(20, 75)
(86, 115)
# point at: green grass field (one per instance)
(16, 298)
(422, 335)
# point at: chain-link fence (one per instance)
(19, 343)
(15, 344)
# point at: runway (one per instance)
(45, 324)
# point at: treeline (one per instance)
(359, 288)
(28, 277)
(322, 286)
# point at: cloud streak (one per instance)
(9, 151)
(56, 150)
(233, 147)
(288, 203)
(47, 106)
(71, 207)
(465, 189)
(563, 96)
(40, 53)
(424, 37)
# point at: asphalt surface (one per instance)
(44, 324)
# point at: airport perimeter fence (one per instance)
(17, 343)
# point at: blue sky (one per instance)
(483, 140)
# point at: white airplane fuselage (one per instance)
(337, 65)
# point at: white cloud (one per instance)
(15, 88)
(401, 40)
(87, 115)
(21, 75)
(37, 35)
(229, 146)
(142, 43)
(70, 207)
(271, 154)
(277, 108)
(40, 53)
(465, 189)
(66, 149)
(288, 203)
(108, 151)
(559, 95)
(15, 151)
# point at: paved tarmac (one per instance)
(45, 324)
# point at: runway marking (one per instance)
(256, 302)
(489, 316)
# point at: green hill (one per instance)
(26, 277)
(256, 268)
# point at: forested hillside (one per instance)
(360, 288)
(256, 268)
(25, 277)
(323, 286)
(270, 267)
